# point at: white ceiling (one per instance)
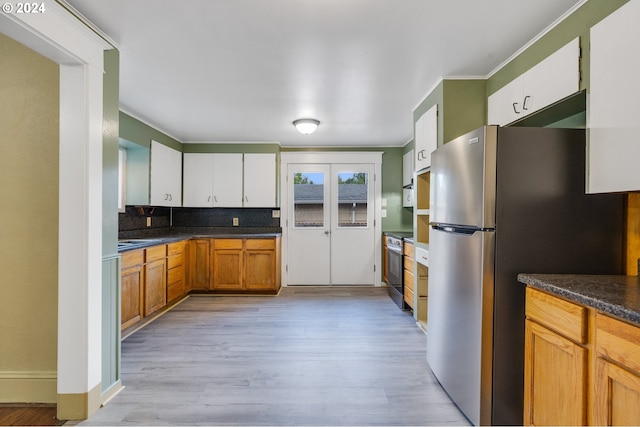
(243, 70)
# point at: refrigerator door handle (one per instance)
(454, 229)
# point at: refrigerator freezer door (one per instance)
(460, 326)
(463, 180)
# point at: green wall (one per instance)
(141, 133)
(110, 257)
(29, 179)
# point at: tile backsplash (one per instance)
(135, 218)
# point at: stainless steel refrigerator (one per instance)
(506, 201)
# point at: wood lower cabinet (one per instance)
(409, 281)
(260, 265)
(199, 270)
(245, 265)
(155, 273)
(227, 260)
(582, 367)
(385, 260)
(555, 377)
(176, 288)
(132, 288)
(617, 373)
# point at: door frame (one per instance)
(331, 157)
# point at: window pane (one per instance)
(308, 199)
(353, 192)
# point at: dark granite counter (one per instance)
(146, 238)
(615, 295)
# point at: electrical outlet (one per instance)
(148, 221)
(275, 214)
(235, 222)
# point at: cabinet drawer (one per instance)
(176, 248)
(408, 296)
(132, 258)
(156, 252)
(408, 280)
(407, 249)
(618, 341)
(175, 291)
(227, 243)
(408, 263)
(175, 261)
(268, 244)
(562, 316)
(175, 275)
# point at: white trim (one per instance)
(232, 142)
(331, 157)
(87, 23)
(538, 37)
(61, 37)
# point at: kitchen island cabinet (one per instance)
(582, 350)
(555, 377)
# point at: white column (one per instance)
(80, 232)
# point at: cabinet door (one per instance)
(260, 180)
(260, 265)
(155, 291)
(555, 386)
(407, 197)
(132, 280)
(553, 79)
(617, 382)
(617, 395)
(198, 180)
(166, 175)
(407, 168)
(227, 264)
(227, 180)
(426, 137)
(613, 125)
(199, 269)
(505, 105)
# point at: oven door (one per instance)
(395, 275)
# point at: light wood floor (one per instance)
(311, 356)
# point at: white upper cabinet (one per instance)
(551, 80)
(227, 180)
(407, 168)
(223, 180)
(614, 108)
(198, 180)
(260, 180)
(166, 176)
(426, 137)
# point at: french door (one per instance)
(330, 225)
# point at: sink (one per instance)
(131, 243)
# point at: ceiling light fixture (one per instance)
(306, 126)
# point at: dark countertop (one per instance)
(615, 295)
(399, 234)
(148, 238)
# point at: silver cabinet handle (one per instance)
(209, 199)
(524, 103)
(515, 110)
(215, 199)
